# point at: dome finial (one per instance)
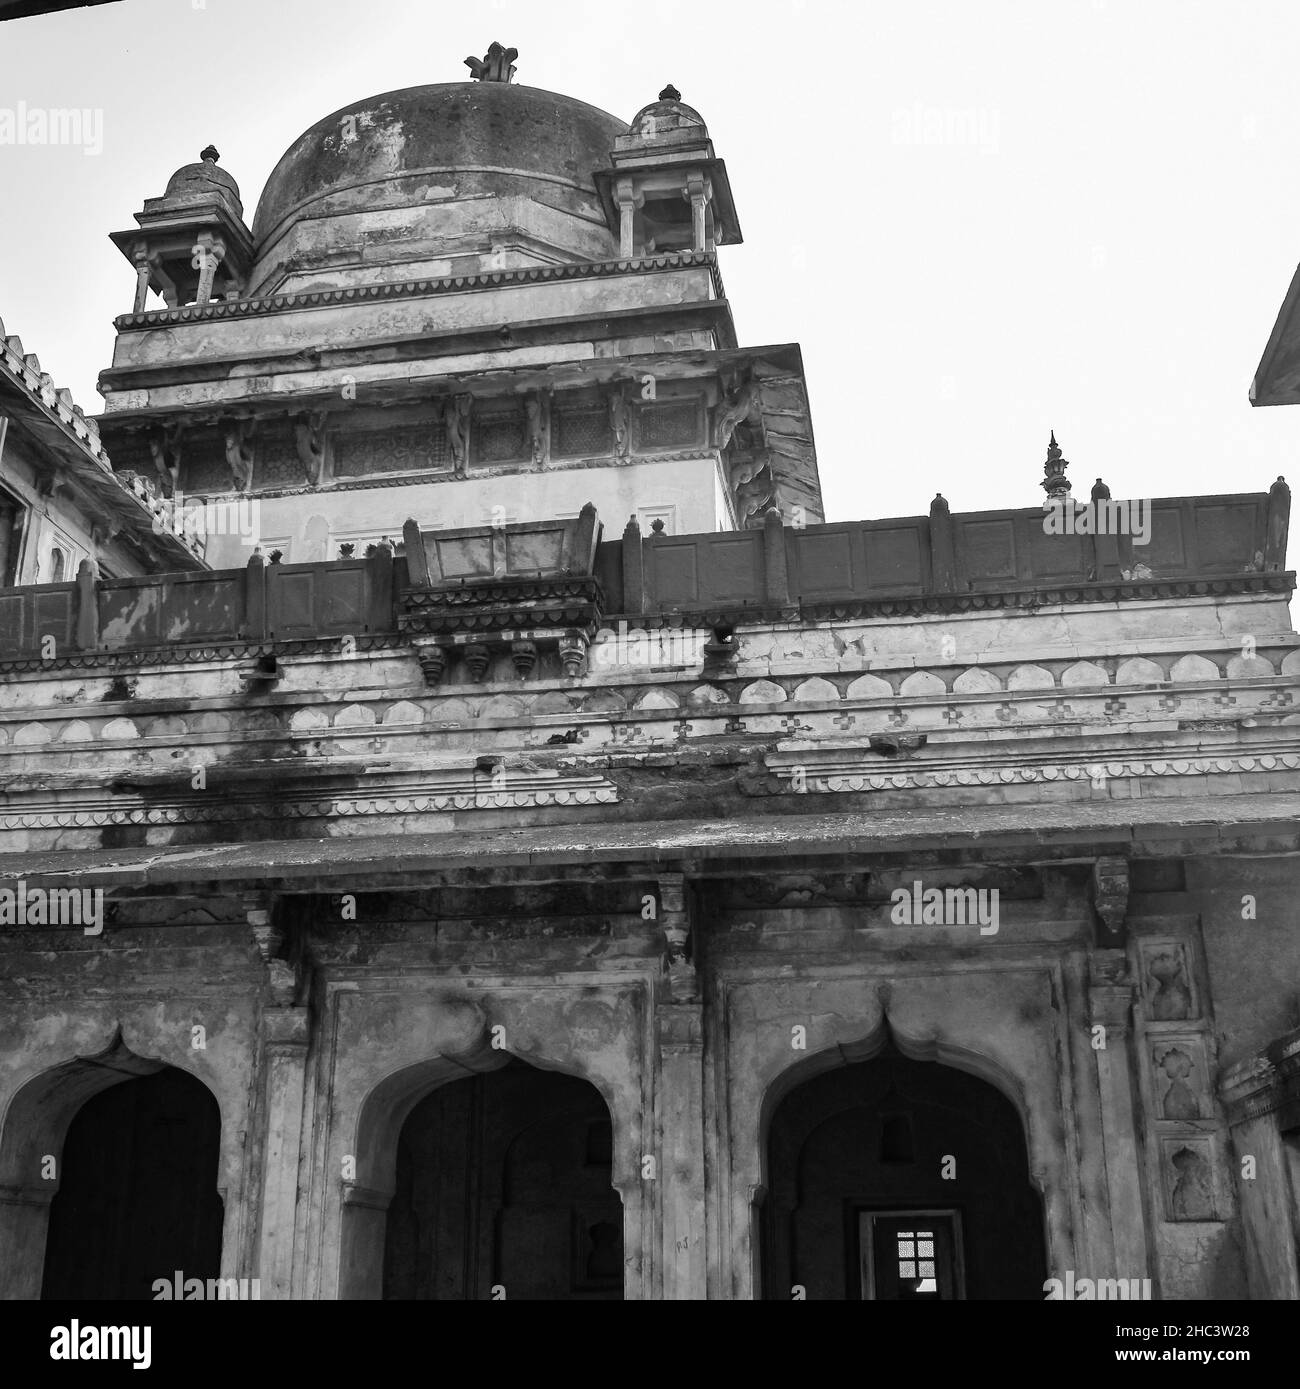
(1055, 483)
(210, 155)
(496, 66)
(670, 93)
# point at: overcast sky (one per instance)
(982, 219)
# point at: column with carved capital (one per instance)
(628, 200)
(284, 1038)
(680, 1035)
(142, 272)
(207, 255)
(1110, 994)
(698, 192)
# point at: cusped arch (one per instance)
(379, 1120)
(1083, 674)
(1030, 677)
(1138, 670)
(922, 684)
(707, 694)
(657, 699)
(816, 690)
(1191, 668)
(976, 681)
(1249, 668)
(354, 716)
(763, 692)
(404, 712)
(870, 687)
(34, 1125)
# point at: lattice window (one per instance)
(581, 432)
(916, 1257)
(406, 449)
(277, 464)
(498, 436)
(203, 469)
(670, 424)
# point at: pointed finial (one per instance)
(210, 155)
(1055, 483)
(670, 93)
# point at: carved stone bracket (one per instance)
(239, 453)
(1110, 889)
(573, 654)
(309, 440)
(537, 411)
(455, 419)
(433, 660)
(620, 419)
(675, 922)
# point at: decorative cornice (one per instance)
(415, 289)
(177, 654)
(536, 790)
(1099, 767)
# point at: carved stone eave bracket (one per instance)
(524, 646)
(269, 938)
(676, 922)
(1110, 892)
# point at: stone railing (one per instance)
(556, 581)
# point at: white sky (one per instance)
(1098, 242)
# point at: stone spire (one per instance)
(497, 66)
(1055, 483)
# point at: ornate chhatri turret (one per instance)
(667, 191)
(192, 244)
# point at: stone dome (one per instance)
(202, 180)
(435, 173)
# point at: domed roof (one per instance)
(378, 152)
(202, 179)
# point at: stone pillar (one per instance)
(680, 1028)
(208, 252)
(141, 279)
(698, 192)
(628, 201)
(1255, 1093)
(284, 1073)
(284, 1031)
(1111, 1006)
(24, 1224)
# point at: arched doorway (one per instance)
(504, 1189)
(893, 1179)
(137, 1198)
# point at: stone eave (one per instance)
(1061, 832)
(1277, 378)
(414, 289)
(682, 364)
(59, 428)
(714, 314)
